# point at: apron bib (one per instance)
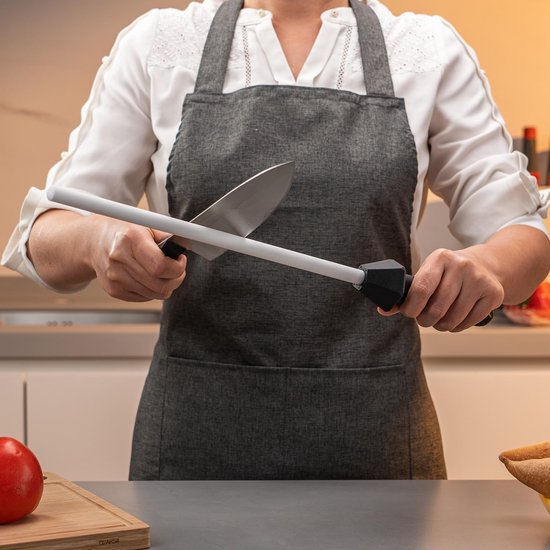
(266, 372)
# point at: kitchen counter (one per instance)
(332, 515)
(500, 339)
(134, 341)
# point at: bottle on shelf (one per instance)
(530, 150)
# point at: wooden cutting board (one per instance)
(71, 518)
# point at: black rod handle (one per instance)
(387, 284)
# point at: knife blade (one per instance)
(238, 212)
(385, 283)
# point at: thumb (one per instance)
(159, 236)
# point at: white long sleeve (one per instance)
(472, 163)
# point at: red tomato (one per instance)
(540, 301)
(21, 480)
(535, 310)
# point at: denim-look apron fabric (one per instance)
(266, 372)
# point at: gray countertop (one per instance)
(334, 515)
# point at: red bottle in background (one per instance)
(530, 151)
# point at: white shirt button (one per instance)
(334, 14)
(261, 13)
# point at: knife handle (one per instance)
(172, 249)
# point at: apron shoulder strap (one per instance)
(376, 69)
(217, 48)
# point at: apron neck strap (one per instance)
(215, 56)
(376, 67)
(217, 48)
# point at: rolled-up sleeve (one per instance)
(109, 153)
(473, 166)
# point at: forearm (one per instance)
(57, 247)
(518, 256)
(68, 249)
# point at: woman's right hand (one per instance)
(129, 264)
(68, 250)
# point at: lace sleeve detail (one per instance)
(181, 35)
(180, 39)
(410, 42)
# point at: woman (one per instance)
(261, 371)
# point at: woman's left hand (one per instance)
(451, 291)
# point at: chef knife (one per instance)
(386, 283)
(239, 211)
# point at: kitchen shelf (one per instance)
(499, 339)
(134, 341)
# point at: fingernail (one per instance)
(385, 313)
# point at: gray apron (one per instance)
(266, 372)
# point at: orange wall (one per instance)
(50, 52)
(512, 41)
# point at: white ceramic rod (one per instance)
(195, 232)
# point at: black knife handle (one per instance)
(172, 249)
(387, 284)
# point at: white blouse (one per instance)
(120, 149)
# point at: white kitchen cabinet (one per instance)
(82, 386)
(79, 412)
(80, 416)
(12, 421)
(486, 406)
